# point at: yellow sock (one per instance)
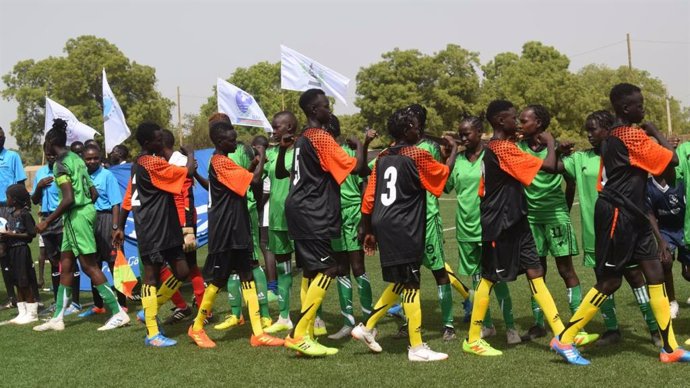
(206, 306)
(168, 288)
(303, 288)
(587, 310)
(456, 283)
(658, 300)
(388, 297)
(543, 297)
(249, 294)
(479, 309)
(413, 311)
(312, 301)
(150, 305)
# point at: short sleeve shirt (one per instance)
(11, 171)
(464, 179)
(51, 194)
(109, 193)
(70, 168)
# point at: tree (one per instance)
(75, 81)
(446, 83)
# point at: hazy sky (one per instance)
(191, 43)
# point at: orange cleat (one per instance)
(678, 355)
(264, 339)
(200, 338)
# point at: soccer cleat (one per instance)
(10, 304)
(327, 350)
(687, 341)
(568, 352)
(92, 311)
(266, 322)
(534, 332)
(319, 327)
(448, 333)
(674, 309)
(55, 324)
(480, 348)
(48, 310)
(488, 331)
(159, 341)
(229, 322)
(423, 353)
(264, 339)
(396, 311)
(271, 296)
(73, 308)
(368, 337)
(342, 333)
(402, 332)
(200, 338)
(21, 308)
(609, 337)
(656, 339)
(305, 346)
(583, 338)
(117, 320)
(513, 337)
(142, 318)
(678, 355)
(467, 306)
(178, 315)
(282, 324)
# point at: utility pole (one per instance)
(629, 52)
(668, 116)
(179, 114)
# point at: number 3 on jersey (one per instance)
(135, 193)
(390, 176)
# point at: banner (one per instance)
(76, 130)
(240, 106)
(114, 125)
(299, 72)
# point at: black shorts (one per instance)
(21, 265)
(402, 273)
(104, 237)
(510, 255)
(169, 255)
(314, 255)
(52, 243)
(219, 266)
(622, 239)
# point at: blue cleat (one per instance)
(568, 352)
(396, 311)
(159, 341)
(678, 355)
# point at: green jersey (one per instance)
(683, 173)
(545, 197)
(583, 167)
(350, 189)
(431, 147)
(243, 157)
(69, 167)
(279, 188)
(464, 179)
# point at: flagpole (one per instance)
(282, 100)
(179, 114)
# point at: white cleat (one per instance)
(674, 309)
(55, 324)
(21, 312)
(30, 314)
(342, 333)
(488, 331)
(361, 333)
(118, 320)
(513, 337)
(424, 353)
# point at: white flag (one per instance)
(240, 106)
(114, 124)
(76, 130)
(298, 72)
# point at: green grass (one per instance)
(81, 356)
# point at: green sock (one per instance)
(574, 298)
(63, 300)
(364, 292)
(284, 285)
(488, 322)
(235, 295)
(445, 298)
(537, 313)
(345, 298)
(506, 303)
(109, 298)
(642, 297)
(608, 312)
(261, 290)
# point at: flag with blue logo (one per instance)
(299, 72)
(240, 106)
(114, 124)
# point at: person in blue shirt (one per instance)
(11, 172)
(107, 213)
(666, 202)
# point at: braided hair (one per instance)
(541, 114)
(419, 112)
(400, 121)
(475, 122)
(601, 118)
(57, 135)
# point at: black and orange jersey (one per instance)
(505, 170)
(228, 215)
(396, 199)
(628, 156)
(320, 165)
(149, 195)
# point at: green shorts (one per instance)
(279, 243)
(348, 241)
(433, 247)
(470, 254)
(557, 239)
(79, 231)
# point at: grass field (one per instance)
(81, 356)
